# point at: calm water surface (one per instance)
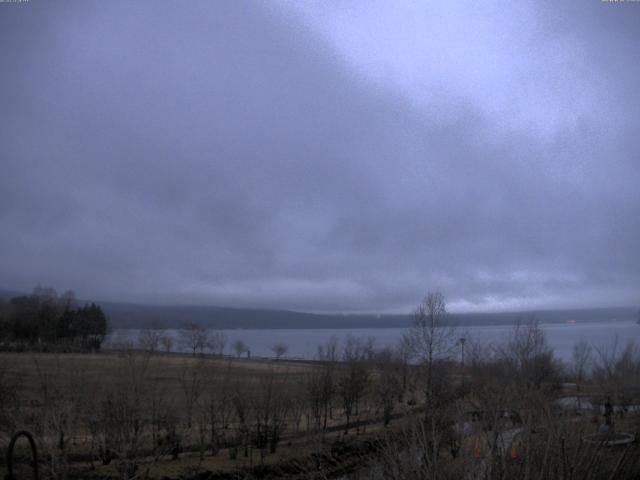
(303, 343)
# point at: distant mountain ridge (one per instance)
(126, 315)
(139, 316)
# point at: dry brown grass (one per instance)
(92, 374)
(29, 369)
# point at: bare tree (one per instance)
(217, 407)
(195, 337)
(192, 381)
(528, 355)
(298, 400)
(616, 371)
(10, 389)
(167, 342)
(403, 355)
(354, 377)
(63, 390)
(328, 352)
(240, 347)
(120, 417)
(159, 408)
(388, 382)
(326, 380)
(432, 338)
(149, 339)
(581, 356)
(314, 401)
(68, 300)
(240, 400)
(217, 342)
(280, 349)
(5, 327)
(270, 405)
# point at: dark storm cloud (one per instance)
(267, 155)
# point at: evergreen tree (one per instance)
(43, 317)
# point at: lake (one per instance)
(303, 343)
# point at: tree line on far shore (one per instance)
(45, 320)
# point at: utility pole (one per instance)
(462, 342)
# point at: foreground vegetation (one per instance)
(437, 407)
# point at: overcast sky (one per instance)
(322, 156)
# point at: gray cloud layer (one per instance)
(268, 154)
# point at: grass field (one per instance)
(66, 400)
(128, 414)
